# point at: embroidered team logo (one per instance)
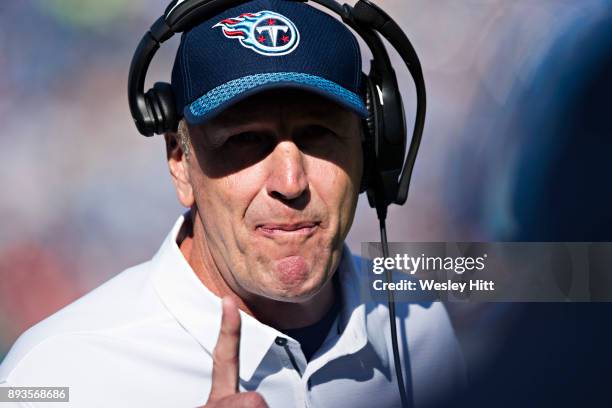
(265, 32)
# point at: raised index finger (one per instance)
(225, 355)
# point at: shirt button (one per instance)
(281, 341)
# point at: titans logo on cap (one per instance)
(265, 32)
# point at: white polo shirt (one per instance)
(145, 339)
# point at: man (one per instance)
(268, 160)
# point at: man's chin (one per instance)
(293, 295)
(291, 277)
(291, 271)
(293, 290)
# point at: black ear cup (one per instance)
(369, 136)
(161, 107)
(387, 122)
(370, 121)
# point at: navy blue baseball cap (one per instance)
(262, 45)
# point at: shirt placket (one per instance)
(293, 359)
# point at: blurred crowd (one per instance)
(83, 195)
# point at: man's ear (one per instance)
(178, 164)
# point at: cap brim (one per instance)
(220, 98)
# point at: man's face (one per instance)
(275, 180)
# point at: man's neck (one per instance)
(280, 315)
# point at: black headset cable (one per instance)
(381, 211)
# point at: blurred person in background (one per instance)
(545, 178)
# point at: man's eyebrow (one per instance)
(216, 137)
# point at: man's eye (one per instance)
(315, 135)
(315, 131)
(246, 138)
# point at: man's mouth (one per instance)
(278, 229)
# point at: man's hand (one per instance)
(224, 390)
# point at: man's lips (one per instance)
(299, 228)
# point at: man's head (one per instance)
(269, 152)
(275, 180)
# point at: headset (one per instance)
(387, 168)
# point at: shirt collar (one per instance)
(198, 310)
(352, 334)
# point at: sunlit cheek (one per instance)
(333, 186)
(343, 193)
(237, 195)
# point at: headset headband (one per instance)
(365, 18)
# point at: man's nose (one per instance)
(287, 178)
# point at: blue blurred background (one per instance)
(517, 147)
